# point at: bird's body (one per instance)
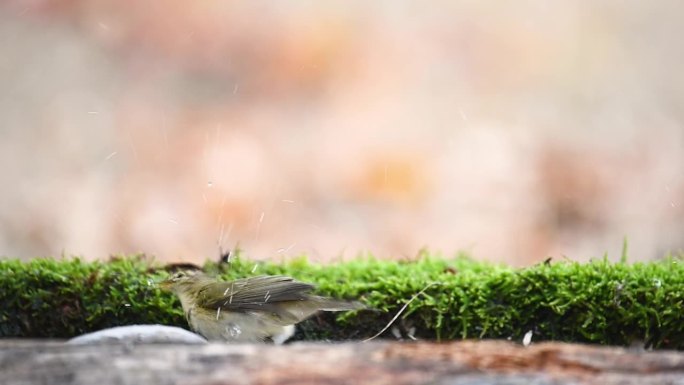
(249, 309)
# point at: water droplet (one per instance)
(234, 330)
(127, 304)
(210, 184)
(527, 339)
(463, 115)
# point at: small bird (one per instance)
(250, 309)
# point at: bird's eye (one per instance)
(178, 275)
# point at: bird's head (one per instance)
(181, 281)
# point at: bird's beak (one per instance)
(165, 284)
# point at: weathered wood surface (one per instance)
(394, 363)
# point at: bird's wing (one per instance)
(262, 293)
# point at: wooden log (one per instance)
(392, 363)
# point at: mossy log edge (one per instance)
(597, 302)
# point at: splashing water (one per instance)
(233, 330)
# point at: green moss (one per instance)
(64, 298)
(598, 302)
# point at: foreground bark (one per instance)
(393, 363)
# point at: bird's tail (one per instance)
(331, 304)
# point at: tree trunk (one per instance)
(24, 362)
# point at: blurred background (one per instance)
(513, 131)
